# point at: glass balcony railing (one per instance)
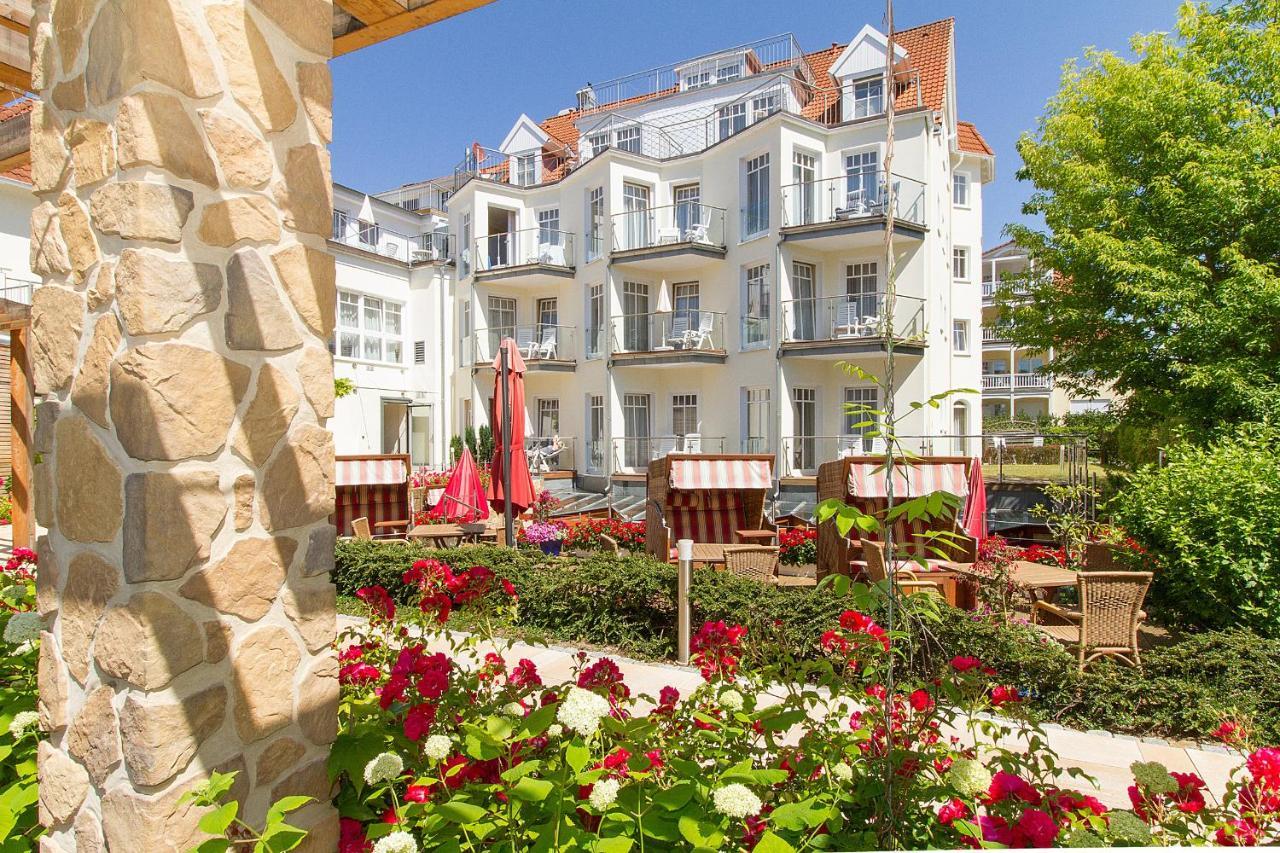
(538, 342)
(529, 246)
(632, 454)
(550, 453)
(865, 315)
(671, 224)
(683, 330)
(854, 195)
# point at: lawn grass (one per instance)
(1052, 472)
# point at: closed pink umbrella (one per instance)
(510, 490)
(463, 500)
(975, 507)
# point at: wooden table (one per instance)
(438, 535)
(391, 525)
(754, 537)
(1037, 580)
(706, 553)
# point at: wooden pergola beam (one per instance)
(16, 26)
(372, 11)
(15, 78)
(389, 28)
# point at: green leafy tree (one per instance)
(1158, 180)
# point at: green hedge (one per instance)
(627, 604)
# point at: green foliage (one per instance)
(222, 822)
(1156, 179)
(469, 438)
(484, 442)
(455, 447)
(19, 727)
(343, 387)
(1211, 520)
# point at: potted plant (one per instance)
(547, 535)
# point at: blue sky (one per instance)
(406, 110)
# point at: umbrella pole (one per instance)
(506, 447)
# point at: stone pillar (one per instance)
(179, 343)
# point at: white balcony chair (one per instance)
(695, 338)
(855, 204)
(525, 342)
(872, 326)
(552, 254)
(697, 234)
(846, 323)
(668, 234)
(679, 336)
(546, 348)
(692, 443)
(542, 457)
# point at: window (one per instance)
(369, 328)
(340, 223)
(686, 303)
(419, 352)
(728, 72)
(549, 227)
(684, 414)
(549, 326)
(802, 325)
(595, 222)
(688, 210)
(548, 423)
(412, 203)
(635, 430)
(803, 194)
(731, 119)
(960, 335)
(636, 320)
(755, 322)
(804, 410)
(862, 296)
(595, 320)
(628, 139)
(598, 142)
(868, 98)
(444, 198)
(369, 232)
(756, 218)
(502, 322)
(526, 166)
(595, 433)
(860, 405)
(960, 263)
(464, 331)
(464, 250)
(862, 182)
(697, 79)
(763, 106)
(636, 217)
(755, 422)
(960, 189)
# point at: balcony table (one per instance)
(438, 535)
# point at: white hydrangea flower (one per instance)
(555, 730)
(21, 722)
(969, 777)
(513, 709)
(603, 793)
(23, 627)
(736, 801)
(582, 711)
(397, 842)
(437, 747)
(731, 700)
(842, 771)
(383, 768)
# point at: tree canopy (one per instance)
(1159, 183)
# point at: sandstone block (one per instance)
(236, 220)
(82, 247)
(312, 608)
(134, 41)
(266, 662)
(94, 737)
(256, 81)
(102, 285)
(311, 780)
(309, 277)
(319, 556)
(307, 21)
(171, 519)
(246, 582)
(315, 372)
(46, 416)
(49, 254)
(70, 96)
(90, 389)
(154, 129)
(90, 500)
(51, 680)
(148, 641)
(88, 833)
(318, 699)
(257, 316)
(63, 785)
(306, 194)
(315, 85)
(279, 755)
(157, 294)
(133, 821)
(91, 583)
(48, 579)
(268, 417)
(297, 485)
(70, 24)
(50, 157)
(173, 401)
(161, 738)
(57, 319)
(244, 491)
(137, 210)
(93, 151)
(245, 158)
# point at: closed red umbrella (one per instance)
(508, 402)
(464, 498)
(975, 508)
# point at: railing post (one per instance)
(684, 614)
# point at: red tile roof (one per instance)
(970, 140)
(10, 111)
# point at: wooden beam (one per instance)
(22, 511)
(11, 24)
(15, 142)
(15, 77)
(16, 161)
(430, 13)
(372, 11)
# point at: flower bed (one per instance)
(20, 627)
(585, 534)
(487, 756)
(798, 546)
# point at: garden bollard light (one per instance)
(684, 579)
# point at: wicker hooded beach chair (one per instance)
(1108, 618)
(757, 562)
(906, 579)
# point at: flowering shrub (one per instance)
(544, 506)
(445, 742)
(543, 531)
(585, 534)
(798, 546)
(424, 478)
(20, 627)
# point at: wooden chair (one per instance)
(757, 562)
(905, 579)
(1108, 618)
(360, 527)
(609, 545)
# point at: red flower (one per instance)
(655, 760)
(858, 623)
(1005, 786)
(1264, 767)
(667, 699)
(963, 663)
(417, 793)
(380, 604)
(616, 762)
(714, 646)
(1035, 828)
(454, 770)
(1229, 732)
(1238, 833)
(605, 675)
(509, 588)
(352, 652)
(921, 701)
(440, 603)
(419, 721)
(524, 674)
(351, 837)
(1003, 693)
(1189, 797)
(995, 829)
(952, 811)
(358, 673)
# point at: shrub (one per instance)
(19, 722)
(1211, 521)
(798, 546)
(585, 533)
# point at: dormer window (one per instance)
(697, 80)
(369, 233)
(868, 98)
(730, 71)
(628, 139)
(526, 170)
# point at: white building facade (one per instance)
(687, 256)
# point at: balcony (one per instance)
(1005, 383)
(825, 214)
(669, 338)
(543, 347)
(632, 455)
(15, 300)
(550, 454)
(532, 255)
(840, 326)
(990, 289)
(803, 454)
(674, 237)
(995, 335)
(373, 238)
(435, 247)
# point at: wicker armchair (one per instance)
(360, 527)
(905, 579)
(1108, 618)
(757, 562)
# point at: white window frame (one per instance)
(757, 276)
(595, 223)
(868, 97)
(546, 407)
(961, 340)
(526, 169)
(756, 406)
(960, 189)
(731, 119)
(361, 334)
(682, 406)
(549, 226)
(595, 321)
(865, 395)
(960, 263)
(752, 170)
(632, 142)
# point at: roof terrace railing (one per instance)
(520, 168)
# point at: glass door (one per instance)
(689, 212)
(635, 429)
(635, 317)
(862, 183)
(804, 315)
(804, 404)
(804, 175)
(502, 322)
(595, 434)
(635, 206)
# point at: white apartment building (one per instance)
(686, 256)
(1016, 381)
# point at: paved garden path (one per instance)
(1105, 757)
